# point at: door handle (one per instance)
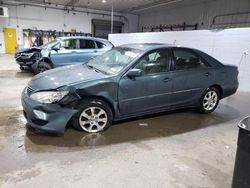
(166, 79)
(207, 74)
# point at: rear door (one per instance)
(87, 50)
(190, 74)
(152, 90)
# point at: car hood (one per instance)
(59, 77)
(28, 49)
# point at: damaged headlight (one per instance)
(48, 96)
(27, 55)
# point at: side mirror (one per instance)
(134, 73)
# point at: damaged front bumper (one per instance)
(51, 118)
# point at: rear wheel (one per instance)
(209, 100)
(94, 116)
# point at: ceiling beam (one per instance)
(153, 5)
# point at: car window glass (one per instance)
(154, 62)
(57, 46)
(87, 44)
(69, 44)
(100, 45)
(185, 59)
(115, 60)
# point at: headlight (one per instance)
(48, 96)
(27, 55)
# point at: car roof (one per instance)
(147, 46)
(81, 37)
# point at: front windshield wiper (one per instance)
(90, 66)
(97, 70)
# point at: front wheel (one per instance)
(94, 116)
(41, 67)
(209, 100)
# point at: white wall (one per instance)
(2, 44)
(197, 11)
(228, 46)
(51, 19)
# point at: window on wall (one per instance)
(184, 59)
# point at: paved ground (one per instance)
(180, 150)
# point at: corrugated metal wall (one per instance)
(209, 14)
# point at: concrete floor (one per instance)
(181, 150)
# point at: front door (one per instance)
(150, 91)
(67, 54)
(10, 40)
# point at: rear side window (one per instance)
(185, 59)
(100, 44)
(87, 44)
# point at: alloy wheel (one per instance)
(210, 100)
(93, 119)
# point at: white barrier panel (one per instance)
(230, 46)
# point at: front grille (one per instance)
(29, 91)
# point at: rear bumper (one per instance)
(230, 91)
(46, 117)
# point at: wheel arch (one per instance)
(47, 60)
(219, 89)
(102, 98)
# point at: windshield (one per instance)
(113, 61)
(50, 44)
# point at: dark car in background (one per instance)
(60, 52)
(27, 57)
(127, 81)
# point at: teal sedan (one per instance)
(128, 81)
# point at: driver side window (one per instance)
(154, 62)
(69, 44)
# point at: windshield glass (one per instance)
(113, 61)
(50, 44)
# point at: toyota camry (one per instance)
(127, 81)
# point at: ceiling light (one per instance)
(104, 1)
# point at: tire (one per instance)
(21, 68)
(209, 100)
(88, 120)
(41, 67)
